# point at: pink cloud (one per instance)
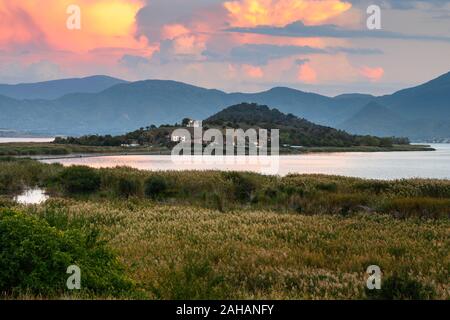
(252, 71)
(307, 74)
(373, 74)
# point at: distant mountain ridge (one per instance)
(421, 112)
(57, 88)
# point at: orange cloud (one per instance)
(252, 71)
(247, 13)
(307, 74)
(373, 74)
(104, 23)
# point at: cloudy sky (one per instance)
(322, 46)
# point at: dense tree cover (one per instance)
(150, 135)
(293, 130)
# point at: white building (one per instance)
(195, 124)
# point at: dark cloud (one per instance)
(261, 54)
(131, 61)
(300, 62)
(157, 13)
(298, 29)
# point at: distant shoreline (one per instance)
(167, 153)
(49, 151)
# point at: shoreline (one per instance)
(50, 151)
(306, 151)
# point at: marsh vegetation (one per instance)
(223, 235)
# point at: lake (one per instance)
(377, 165)
(11, 140)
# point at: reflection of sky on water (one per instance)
(31, 196)
(377, 165)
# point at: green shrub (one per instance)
(243, 185)
(34, 258)
(156, 187)
(418, 207)
(401, 287)
(80, 179)
(129, 186)
(373, 186)
(330, 187)
(218, 202)
(343, 203)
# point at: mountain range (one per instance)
(101, 105)
(57, 88)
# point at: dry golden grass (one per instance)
(186, 252)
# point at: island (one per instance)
(297, 136)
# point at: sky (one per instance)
(321, 46)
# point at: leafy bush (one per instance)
(80, 179)
(401, 287)
(156, 187)
(418, 207)
(34, 258)
(330, 187)
(342, 203)
(373, 186)
(243, 185)
(129, 186)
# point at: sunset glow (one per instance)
(307, 74)
(270, 12)
(105, 23)
(373, 74)
(214, 43)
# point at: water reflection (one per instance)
(377, 165)
(32, 196)
(24, 140)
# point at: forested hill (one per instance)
(293, 130)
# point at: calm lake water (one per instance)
(32, 196)
(10, 140)
(379, 165)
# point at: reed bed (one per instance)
(216, 235)
(186, 252)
